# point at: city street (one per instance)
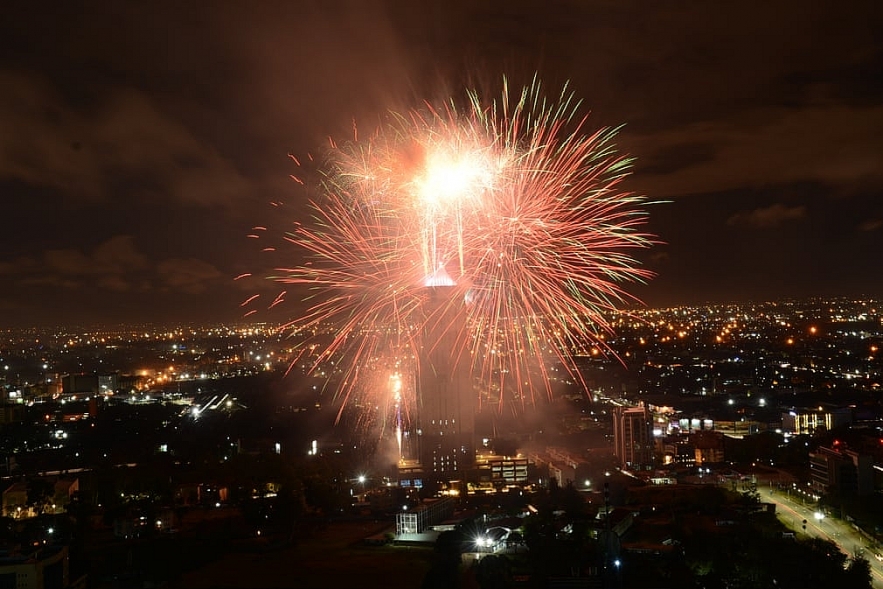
(792, 511)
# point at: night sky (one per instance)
(142, 141)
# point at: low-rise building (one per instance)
(431, 511)
(808, 420)
(45, 568)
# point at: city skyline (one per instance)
(142, 144)
(753, 418)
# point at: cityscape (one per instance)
(126, 448)
(441, 294)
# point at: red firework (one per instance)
(512, 205)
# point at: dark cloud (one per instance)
(768, 148)
(124, 140)
(107, 266)
(871, 225)
(140, 142)
(114, 265)
(188, 276)
(768, 217)
(117, 255)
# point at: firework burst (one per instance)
(512, 205)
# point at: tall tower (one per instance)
(633, 437)
(445, 398)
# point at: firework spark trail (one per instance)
(355, 281)
(513, 203)
(551, 248)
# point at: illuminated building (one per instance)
(103, 383)
(428, 513)
(445, 397)
(807, 421)
(709, 447)
(509, 470)
(79, 383)
(840, 470)
(633, 437)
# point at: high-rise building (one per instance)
(838, 469)
(96, 383)
(445, 396)
(809, 420)
(633, 437)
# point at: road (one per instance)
(793, 512)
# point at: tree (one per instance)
(858, 574)
(80, 511)
(493, 572)
(445, 570)
(750, 499)
(40, 493)
(570, 500)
